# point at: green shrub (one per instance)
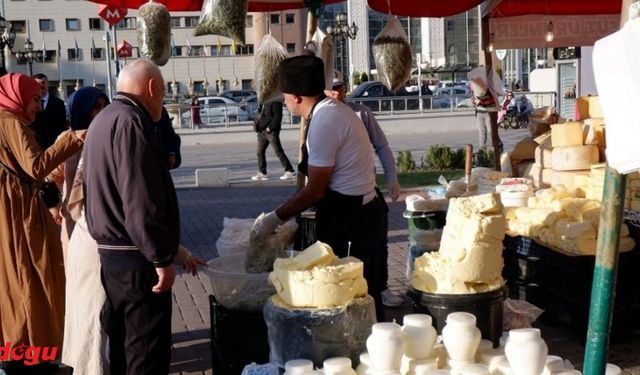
(355, 78)
(364, 77)
(405, 162)
(441, 157)
(484, 158)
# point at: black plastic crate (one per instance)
(523, 246)
(237, 339)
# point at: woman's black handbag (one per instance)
(50, 194)
(48, 191)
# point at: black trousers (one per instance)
(273, 138)
(341, 219)
(137, 321)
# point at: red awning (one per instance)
(423, 8)
(510, 8)
(196, 5)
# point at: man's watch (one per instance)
(161, 263)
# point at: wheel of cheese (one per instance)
(567, 178)
(574, 158)
(543, 156)
(567, 134)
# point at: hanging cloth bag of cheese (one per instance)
(154, 32)
(323, 45)
(223, 17)
(268, 58)
(392, 55)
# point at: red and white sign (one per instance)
(124, 49)
(112, 14)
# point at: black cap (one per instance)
(302, 75)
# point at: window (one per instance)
(275, 18)
(247, 84)
(170, 89)
(291, 47)
(97, 54)
(191, 21)
(46, 24)
(249, 21)
(176, 22)
(73, 55)
(95, 24)
(127, 23)
(289, 18)
(18, 26)
(178, 51)
(197, 50)
(245, 50)
(73, 24)
(48, 55)
(451, 25)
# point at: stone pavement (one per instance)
(202, 213)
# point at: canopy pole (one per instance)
(493, 116)
(606, 267)
(312, 26)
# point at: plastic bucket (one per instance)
(427, 220)
(487, 308)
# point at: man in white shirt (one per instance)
(338, 163)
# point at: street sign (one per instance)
(112, 14)
(501, 54)
(124, 49)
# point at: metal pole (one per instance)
(115, 52)
(109, 81)
(606, 267)
(30, 67)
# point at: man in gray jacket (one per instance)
(132, 213)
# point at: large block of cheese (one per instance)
(317, 278)
(567, 134)
(470, 256)
(541, 177)
(543, 156)
(573, 158)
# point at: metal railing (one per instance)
(241, 113)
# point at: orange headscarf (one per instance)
(16, 91)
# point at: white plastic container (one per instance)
(385, 346)
(419, 335)
(337, 366)
(612, 369)
(552, 364)
(298, 367)
(364, 368)
(461, 337)
(526, 351)
(411, 366)
(474, 369)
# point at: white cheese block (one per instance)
(567, 178)
(573, 158)
(521, 228)
(567, 134)
(580, 229)
(543, 156)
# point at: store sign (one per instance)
(529, 31)
(125, 49)
(501, 54)
(112, 14)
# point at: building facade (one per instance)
(74, 38)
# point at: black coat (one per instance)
(270, 117)
(167, 136)
(50, 122)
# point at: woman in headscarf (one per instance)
(82, 106)
(31, 264)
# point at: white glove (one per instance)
(264, 225)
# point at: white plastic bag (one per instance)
(519, 314)
(392, 55)
(324, 50)
(154, 32)
(268, 57)
(234, 237)
(262, 254)
(223, 17)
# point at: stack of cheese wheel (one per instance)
(571, 159)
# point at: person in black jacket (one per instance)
(169, 139)
(132, 212)
(268, 126)
(52, 120)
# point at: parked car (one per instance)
(218, 109)
(447, 97)
(375, 90)
(237, 95)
